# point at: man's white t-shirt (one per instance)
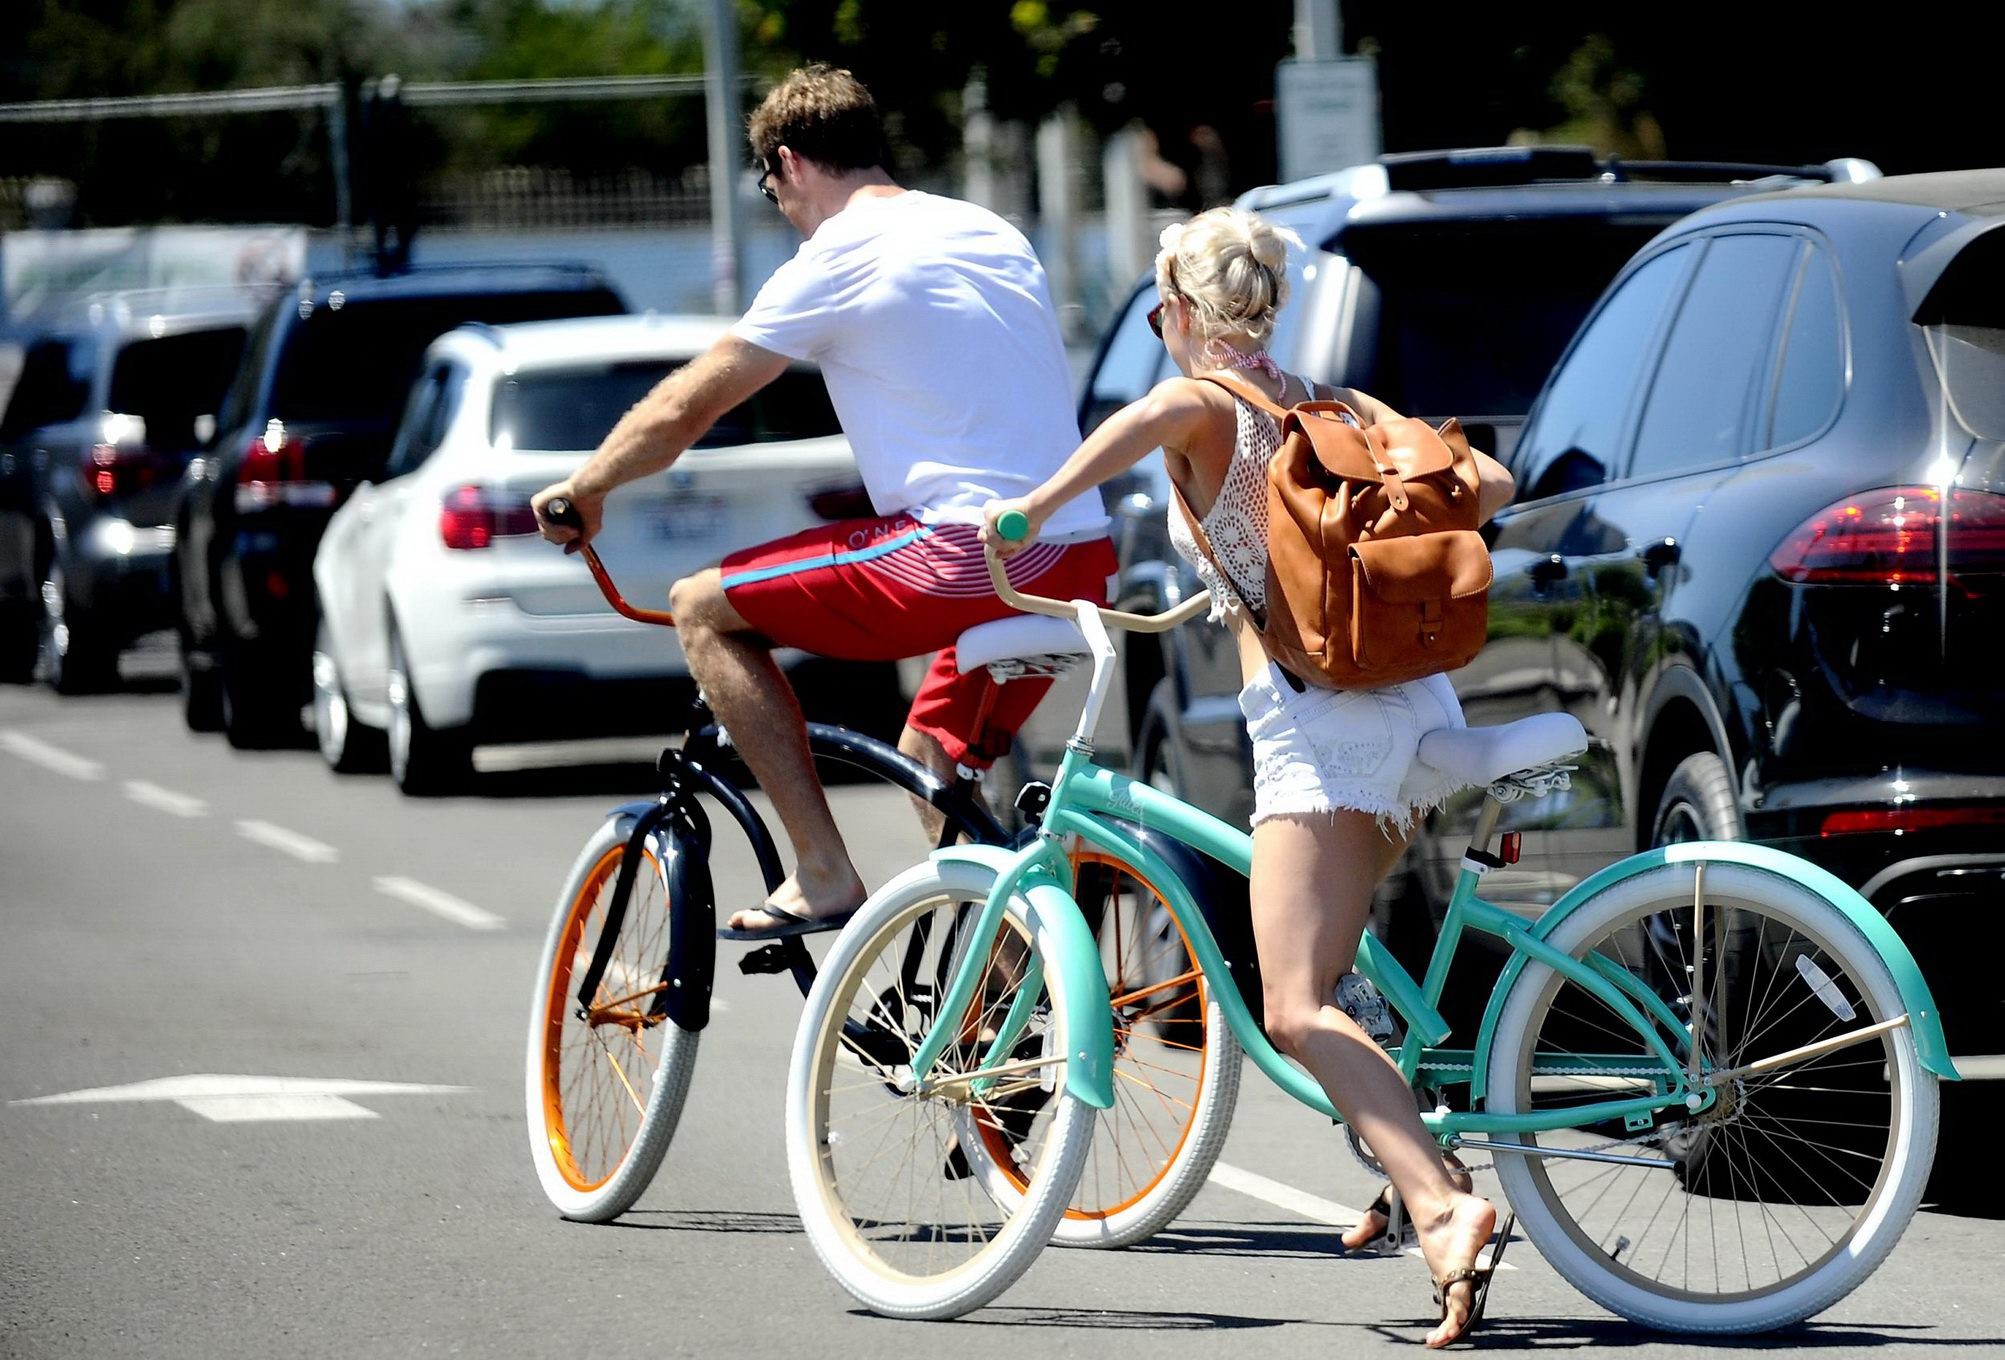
(933, 327)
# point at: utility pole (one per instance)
(721, 103)
(1319, 30)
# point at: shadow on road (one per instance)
(708, 1221)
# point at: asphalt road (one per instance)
(174, 910)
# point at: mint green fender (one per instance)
(1924, 1021)
(1089, 1068)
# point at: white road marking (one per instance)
(226, 1099)
(165, 800)
(39, 752)
(1301, 1202)
(288, 842)
(439, 903)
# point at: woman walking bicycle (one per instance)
(1337, 785)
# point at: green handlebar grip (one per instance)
(1013, 525)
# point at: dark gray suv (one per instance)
(106, 412)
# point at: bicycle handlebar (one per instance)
(561, 511)
(1069, 609)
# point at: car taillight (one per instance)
(1904, 819)
(118, 469)
(273, 472)
(473, 516)
(1889, 536)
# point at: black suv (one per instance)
(1759, 551)
(311, 414)
(107, 411)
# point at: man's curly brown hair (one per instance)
(825, 114)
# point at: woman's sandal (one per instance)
(1480, 1276)
(1398, 1231)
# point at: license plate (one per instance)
(688, 518)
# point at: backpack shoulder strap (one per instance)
(1244, 390)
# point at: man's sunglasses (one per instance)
(766, 173)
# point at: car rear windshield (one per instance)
(572, 408)
(170, 381)
(1473, 315)
(356, 362)
(1964, 317)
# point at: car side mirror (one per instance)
(205, 430)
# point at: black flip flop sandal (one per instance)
(788, 924)
(1481, 1276)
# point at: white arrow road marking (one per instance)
(238, 1099)
(49, 757)
(288, 842)
(165, 800)
(1301, 1202)
(439, 903)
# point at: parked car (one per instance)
(1759, 551)
(309, 417)
(105, 414)
(1444, 283)
(446, 621)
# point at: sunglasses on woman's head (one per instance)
(1156, 319)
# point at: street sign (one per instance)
(1326, 113)
(238, 1100)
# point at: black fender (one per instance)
(691, 967)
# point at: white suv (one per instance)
(446, 620)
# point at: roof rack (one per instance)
(308, 283)
(1499, 166)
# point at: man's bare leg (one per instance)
(925, 748)
(757, 706)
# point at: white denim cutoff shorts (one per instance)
(1324, 750)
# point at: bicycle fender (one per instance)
(1072, 966)
(692, 928)
(1924, 1020)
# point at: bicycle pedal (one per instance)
(767, 958)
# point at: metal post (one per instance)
(1128, 245)
(726, 140)
(1058, 206)
(1319, 30)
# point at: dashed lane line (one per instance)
(439, 903)
(39, 752)
(165, 800)
(288, 842)
(1313, 1207)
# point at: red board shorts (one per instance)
(887, 589)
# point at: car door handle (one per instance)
(1547, 570)
(1659, 555)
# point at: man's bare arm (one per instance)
(660, 426)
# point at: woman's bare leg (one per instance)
(1313, 879)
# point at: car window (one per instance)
(414, 442)
(1696, 413)
(170, 381)
(353, 364)
(572, 408)
(1575, 434)
(54, 386)
(1131, 364)
(1811, 381)
(239, 401)
(1472, 315)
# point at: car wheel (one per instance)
(201, 688)
(254, 712)
(1697, 804)
(75, 658)
(20, 644)
(348, 745)
(424, 760)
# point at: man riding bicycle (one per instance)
(933, 327)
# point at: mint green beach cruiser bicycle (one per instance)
(1707, 1075)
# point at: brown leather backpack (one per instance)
(1375, 571)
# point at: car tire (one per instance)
(76, 659)
(253, 717)
(20, 644)
(1697, 804)
(201, 688)
(348, 745)
(424, 760)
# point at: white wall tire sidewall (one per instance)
(1910, 1160)
(671, 1082)
(978, 1281)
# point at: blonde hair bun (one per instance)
(1231, 267)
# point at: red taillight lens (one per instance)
(273, 472)
(473, 516)
(116, 470)
(1895, 536)
(1905, 819)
